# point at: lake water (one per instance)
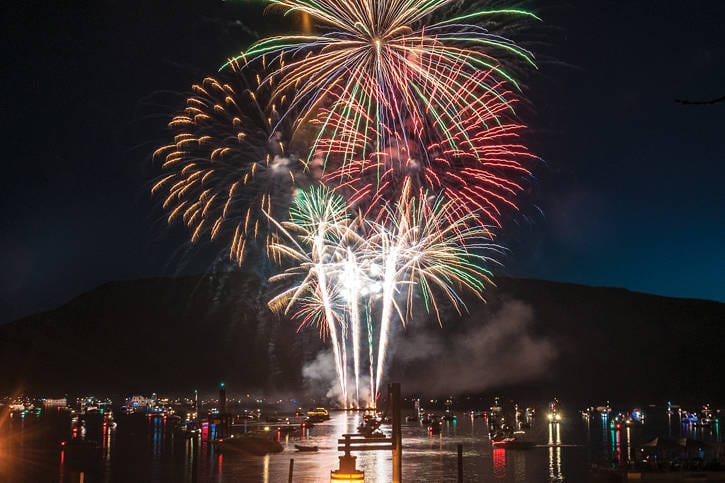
(148, 449)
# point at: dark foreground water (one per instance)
(148, 449)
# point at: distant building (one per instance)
(136, 402)
(55, 403)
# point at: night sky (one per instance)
(628, 193)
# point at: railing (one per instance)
(358, 442)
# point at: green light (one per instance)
(221, 384)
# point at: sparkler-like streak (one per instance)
(416, 252)
(352, 295)
(428, 252)
(318, 219)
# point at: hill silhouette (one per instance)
(532, 338)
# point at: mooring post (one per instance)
(394, 394)
(460, 463)
(291, 469)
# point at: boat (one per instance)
(369, 425)
(554, 415)
(307, 448)
(448, 416)
(511, 440)
(501, 438)
(318, 414)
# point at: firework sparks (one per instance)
(228, 166)
(484, 176)
(407, 73)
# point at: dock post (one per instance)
(394, 393)
(460, 463)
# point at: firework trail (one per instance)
(310, 239)
(423, 249)
(228, 166)
(338, 260)
(352, 285)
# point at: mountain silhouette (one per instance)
(531, 338)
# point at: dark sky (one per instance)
(629, 193)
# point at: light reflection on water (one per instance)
(426, 457)
(149, 449)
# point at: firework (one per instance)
(424, 250)
(340, 262)
(311, 240)
(482, 172)
(228, 165)
(409, 76)
(409, 120)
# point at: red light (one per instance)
(62, 443)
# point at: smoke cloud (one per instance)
(320, 378)
(319, 375)
(501, 351)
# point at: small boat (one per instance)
(513, 440)
(434, 427)
(307, 448)
(501, 438)
(369, 425)
(428, 418)
(317, 415)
